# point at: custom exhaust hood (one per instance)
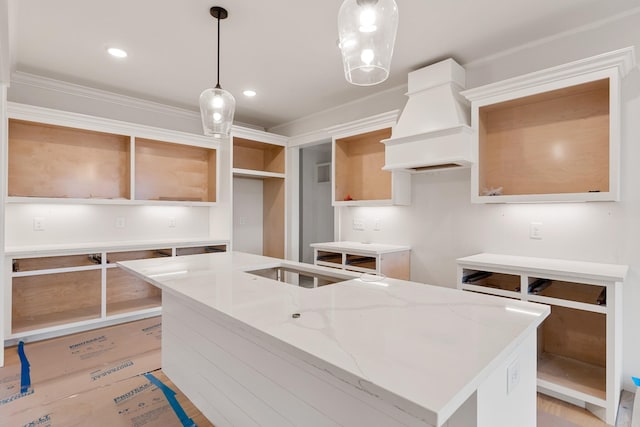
(433, 131)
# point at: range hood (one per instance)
(433, 131)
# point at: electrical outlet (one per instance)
(358, 224)
(120, 222)
(172, 222)
(377, 226)
(535, 230)
(513, 375)
(38, 223)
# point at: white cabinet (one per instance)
(58, 291)
(63, 157)
(358, 158)
(552, 135)
(374, 258)
(580, 343)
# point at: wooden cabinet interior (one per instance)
(549, 143)
(126, 293)
(358, 167)
(491, 280)
(166, 171)
(113, 257)
(573, 350)
(45, 263)
(46, 300)
(258, 156)
(201, 250)
(273, 217)
(60, 162)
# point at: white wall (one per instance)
(316, 215)
(441, 224)
(77, 224)
(247, 215)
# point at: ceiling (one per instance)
(284, 49)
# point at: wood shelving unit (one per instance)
(358, 167)
(358, 158)
(59, 162)
(579, 344)
(174, 172)
(52, 293)
(266, 161)
(52, 159)
(552, 135)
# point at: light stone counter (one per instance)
(381, 353)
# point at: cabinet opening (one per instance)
(572, 350)
(331, 257)
(201, 250)
(258, 156)
(358, 167)
(53, 299)
(571, 291)
(126, 293)
(113, 257)
(487, 279)
(60, 162)
(361, 261)
(175, 172)
(549, 143)
(53, 262)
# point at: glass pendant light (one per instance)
(217, 106)
(367, 31)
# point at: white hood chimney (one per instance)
(433, 131)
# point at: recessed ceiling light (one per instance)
(118, 53)
(250, 93)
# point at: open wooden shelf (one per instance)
(258, 156)
(175, 172)
(61, 162)
(49, 299)
(273, 212)
(573, 374)
(358, 167)
(549, 143)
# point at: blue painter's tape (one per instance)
(25, 371)
(171, 398)
(636, 381)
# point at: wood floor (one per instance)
(551, 412)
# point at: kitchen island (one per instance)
(249, 350)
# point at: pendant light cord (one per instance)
(218, 80)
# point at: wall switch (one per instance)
(513, 375)
(172, 222)
(358, 224)
(38, 223)
(535, 230)
(120, 222)
(377, 225)
(242, 220)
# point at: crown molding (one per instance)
(368, 124)
(47, 83)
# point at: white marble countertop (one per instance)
(74, 248)
(519, 264)
(362, 248)
(412, 343)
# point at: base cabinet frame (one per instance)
(580, 343)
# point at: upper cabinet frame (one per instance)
(62, 157)
(552, 135)
(358, 156)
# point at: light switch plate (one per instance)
(513, 375)
(535, 230)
